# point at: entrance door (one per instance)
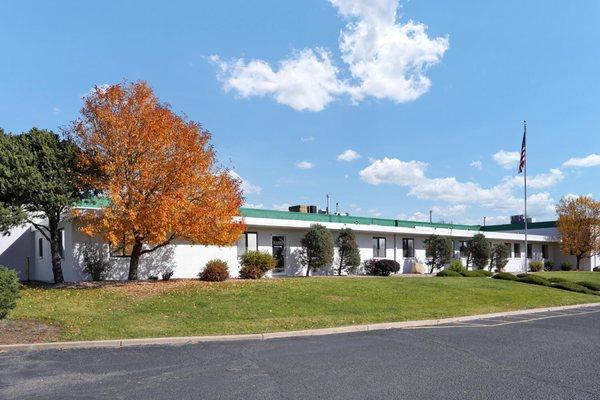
(278, 243)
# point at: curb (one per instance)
(113, 343)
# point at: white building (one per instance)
(279, 233)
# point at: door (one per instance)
(278, 244)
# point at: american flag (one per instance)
(523, 152)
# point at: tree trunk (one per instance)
(578, 261)
(54, 250)
(341, 263)
(308, 269)
(134, 260)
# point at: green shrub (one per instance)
(536, 266)
(478, 273)
(487, 273)
(215, 271)
(456, 265)
(507, 276)
(556, 279)
(566, 266)
(573, 287)
(9, 290)
(596, 269)
(166, 275)
(534, 280)
(548, 265)
(153, 278)
(590, 285)
(93, 262)
(381, 267)
(255, 264)
(448, 272)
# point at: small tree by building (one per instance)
(579, 227)
(499, 257)
(479, 251)
(349, 256)
(317, 248)
(438, 250)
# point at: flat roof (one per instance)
(99, 202)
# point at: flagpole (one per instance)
(525, 190)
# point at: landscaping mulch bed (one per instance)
(27, 331)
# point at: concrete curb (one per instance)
(275, 335)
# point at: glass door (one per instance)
(278, 244)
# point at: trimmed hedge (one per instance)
(557, 279)
(215, 271)
(478, 273)
(9, 290)
(382, 267)
(534, 280)
(255, 264)
(487, 273)
(448, 272)
(574, 287)
(536, 266)
(590, 285)
(507, 276)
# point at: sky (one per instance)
(394, 108)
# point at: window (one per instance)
(278, 249)
(544, 251)
(250, 241)
(408, 247)
(517, 250)
(41, 247)
(61, 243)
(529, 250)
(509, 247)
(379, 247)
(462, 248)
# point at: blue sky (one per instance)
(424, 93)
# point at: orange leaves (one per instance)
(157, 168)
(579, 226)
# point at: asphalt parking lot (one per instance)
(550, 355)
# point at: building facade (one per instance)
(279, 233)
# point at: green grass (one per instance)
(196, 308)
(573, 276)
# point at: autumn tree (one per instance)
(348, 253)
(38, 185)
(159, 173)
(579, 226)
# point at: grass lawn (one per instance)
(575, 276)
(181, 308)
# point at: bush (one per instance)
(167, 275)
(255, 264)
(566, 266)
(93, 262)
(456, 265)
(548, 265)
(507, 276)
(489, 274)
(448, 272)
(534, 280)
(152, 278)
(590, 285)
(556, 279)
(536, 266)
(215, 271)
(478, 273)
(596, 269)
(381, 267)
(9, 290)
(573, 287)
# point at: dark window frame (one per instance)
(408, 251)
(463, 249)
(517, 246)
(41, 248)
(377, 249)
(544, 251)
(246, 249)
(529, 250)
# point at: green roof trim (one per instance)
(519, 226)
(93, 202)
(348, 219)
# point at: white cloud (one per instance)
(251, 205)
(507, 159)
(282, 206)
(384, 57)
(476, 164)
(592, 160)
(56, 111)
(348, 155)
(500, 197)
(304, 164)
(539, 181)
(247, 187)
(374, 212)
(450, 211)
(417, 216)
(307, 139)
